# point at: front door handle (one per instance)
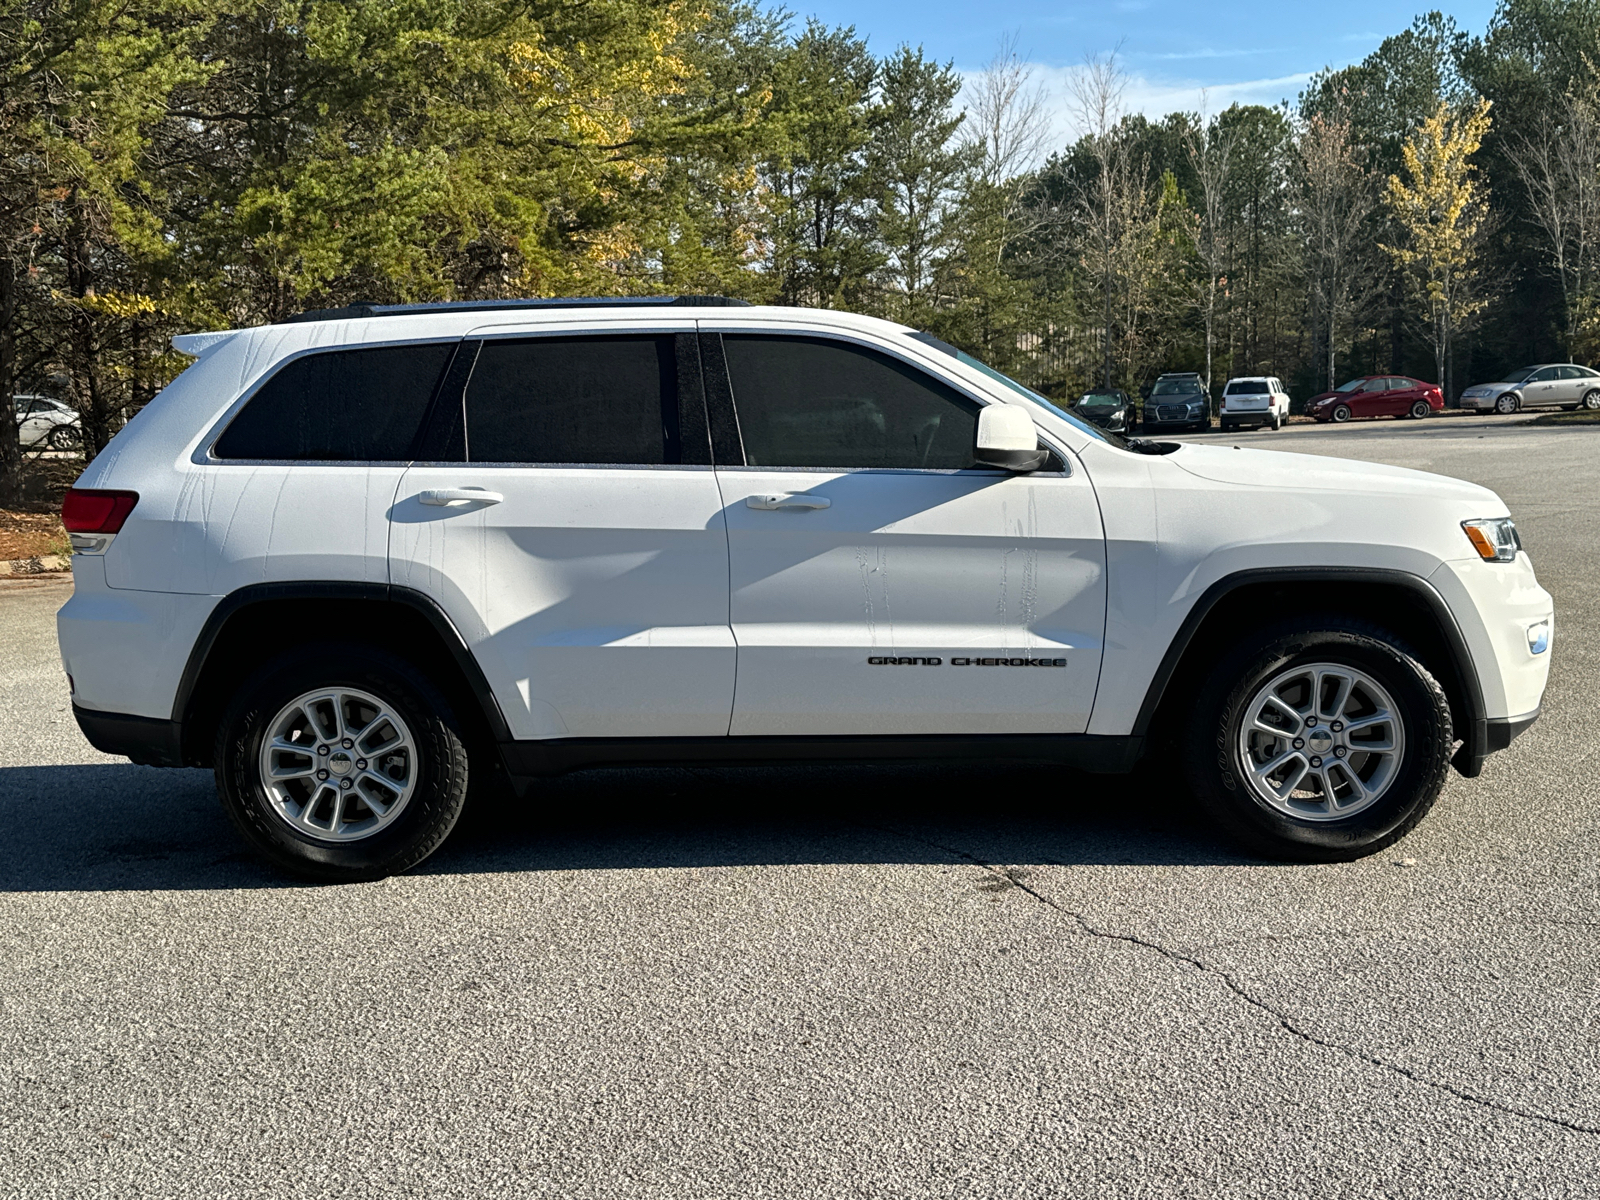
(440, 497)
(788, 500)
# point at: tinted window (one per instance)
(1544, 376)
(810, 402)
(1248, 387)
(344, 405)
(1574, 373)
(574, 400)
(1175, 387)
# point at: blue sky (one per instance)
(1252, 52)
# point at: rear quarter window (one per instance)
(339, 406)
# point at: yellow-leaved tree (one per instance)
(1441, 209)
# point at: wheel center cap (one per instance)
(340, 763)
(1319, 741)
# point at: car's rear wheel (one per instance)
(1591, 400)
(1340, 413)
(1324, 741)
(1507, 404)
(1420, 409)
(341, 763)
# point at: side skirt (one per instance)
(527, 761)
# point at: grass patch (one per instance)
(31, 535)
(1583, 416)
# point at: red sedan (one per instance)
(1378, 396)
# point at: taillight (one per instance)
(96, 510)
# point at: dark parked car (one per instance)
(1109, 408)
(1377, 396)
(1178, 401)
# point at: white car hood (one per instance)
(1280, 471)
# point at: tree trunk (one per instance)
(10, 447)
(1396, 326)
(93, 403)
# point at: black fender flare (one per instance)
(1474, 724)
(258, 593)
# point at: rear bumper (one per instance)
(148, 741)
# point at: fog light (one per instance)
(1539, 637)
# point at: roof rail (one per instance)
(358, 310)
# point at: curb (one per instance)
(46, 565)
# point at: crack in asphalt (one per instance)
(1283, 1019)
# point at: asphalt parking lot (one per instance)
(824, 982)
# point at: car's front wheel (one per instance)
(341, 763)
(1507, 404)
(1324, 741)
(1340, 413)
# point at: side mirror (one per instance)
(1007, 438)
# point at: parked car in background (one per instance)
(1108, 408)
(1178, 401)
(1377, 396)
(1254, 400)
(42, 421)
(1549, 385)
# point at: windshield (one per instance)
(1081, 426)
(1101, 400)
(1247, 387)
(1175, 387)
(1520, 374)
(1351, 386)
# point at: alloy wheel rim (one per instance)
(338, 765)
(1592, 400)
(1320, 742)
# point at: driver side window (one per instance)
(814, 402)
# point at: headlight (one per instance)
(1494, 538)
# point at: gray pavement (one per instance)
(823, 982)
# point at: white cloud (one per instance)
(1155, 98)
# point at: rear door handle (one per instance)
(440, 497)
(788, 500)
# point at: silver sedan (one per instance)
(1549, 385)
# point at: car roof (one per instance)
(399, 323)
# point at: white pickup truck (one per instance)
(355, 560)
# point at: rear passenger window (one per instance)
(341, 406)
(610, 400)
(812, 402)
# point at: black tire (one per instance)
(1591, 400)
(1508, 403)
(1214, 762)
(65, 437)
(1421, 409)
(417, 830)
(1340, 414)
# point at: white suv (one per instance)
(1254, 400)
(352, 561)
